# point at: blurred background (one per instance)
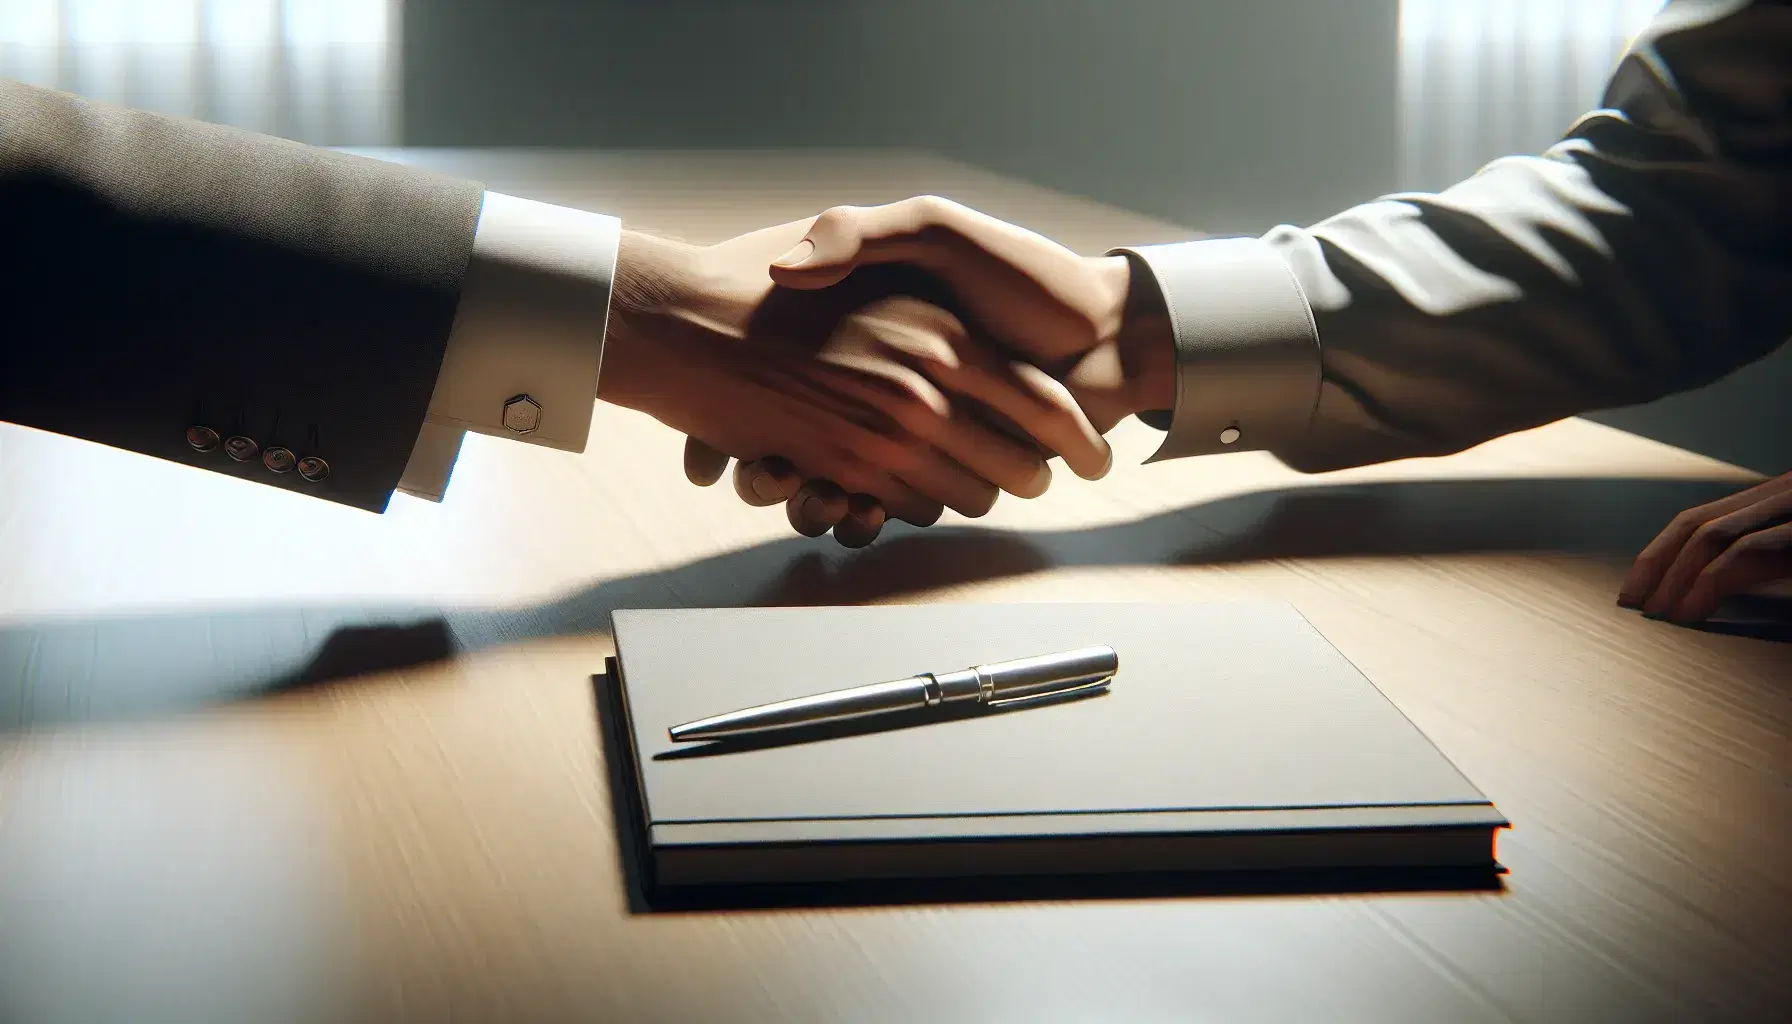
(1223, 116)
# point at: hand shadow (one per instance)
(126, 667)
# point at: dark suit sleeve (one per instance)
(163, 275)
(1647, 252)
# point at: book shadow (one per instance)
(645, 897)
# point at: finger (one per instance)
(937, 352)
(936, 475)
(1021, 285)
(1757, 558)
(863, 521)
(858, 475)
(1706, 544)
(936, 344)
(919, 411)
(766, 481)
(703, 465)
(816, 507)
(1647, 572)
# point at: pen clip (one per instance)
(1052, 695)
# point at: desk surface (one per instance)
(182, 836)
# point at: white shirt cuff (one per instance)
(527, 343)
(432, 462)
(1247, 351)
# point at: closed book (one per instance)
(1233, 738)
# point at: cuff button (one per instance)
(278, 460)
(522, 414)
(1230, 435)
(313, 468)
(202, 439)
(241, 448)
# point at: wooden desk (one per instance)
(180, 842)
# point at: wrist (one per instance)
(1133, 369)
(1146, 342)
(655, 278)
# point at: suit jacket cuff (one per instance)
(527, 342)
(1247, 351)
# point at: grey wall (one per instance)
(1223, 115)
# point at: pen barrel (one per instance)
(834, 706)
(1046, 674)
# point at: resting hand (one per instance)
(1714, 551)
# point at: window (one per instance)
(320, 71)
(1481, 79)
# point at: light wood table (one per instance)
(184, 838)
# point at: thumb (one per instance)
(824, 257)
(703, 465)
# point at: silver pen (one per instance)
(1001, 683)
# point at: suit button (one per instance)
(202, 439)
(241, 448)
(1230, 435)
(313, 468)
(522, 414)
(278, 460)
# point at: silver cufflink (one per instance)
(522, 414)
(1230, 435)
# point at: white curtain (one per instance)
(1481, 79)
(320, 71)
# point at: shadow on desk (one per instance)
(112, 669)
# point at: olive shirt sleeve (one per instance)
(1648, 252)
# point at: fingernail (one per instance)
(815, 510)
(767, 488)
(797, 256)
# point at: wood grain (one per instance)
(201, 818)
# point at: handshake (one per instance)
(888, 361)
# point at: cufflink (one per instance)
(313, 468)
(1230, 435)
(202, 439)
(278, 460)
(241, 448)
(522, 414)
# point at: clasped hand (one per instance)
(902, 359)
(849, 361)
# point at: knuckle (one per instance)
(837, 220)
(1714, 536)
(931, 206)
(1691, 519)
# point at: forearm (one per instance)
(176, 284)
(1645, 254)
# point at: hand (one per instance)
(881, 400)
(1083, 321)
(1714, 551)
